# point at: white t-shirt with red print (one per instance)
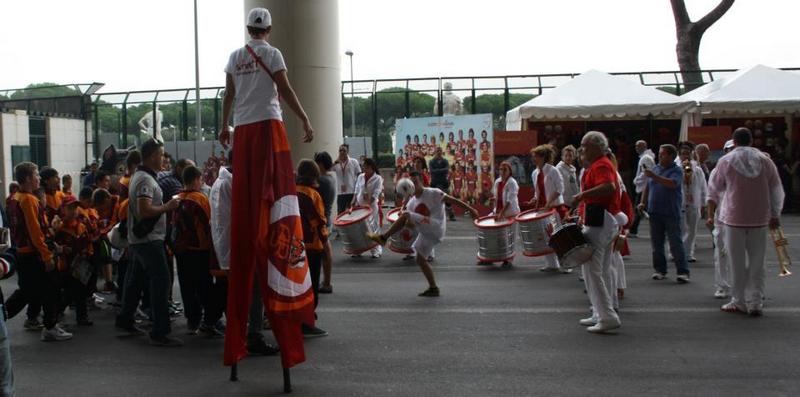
(428, 214)
(256, 94)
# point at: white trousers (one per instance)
(597, 272)
(722, 264)
(691, 216)
(746, 248)
(551, 261)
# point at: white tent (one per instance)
(597, 95)
(759, 89)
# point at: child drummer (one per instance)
(506, 200)
(424, 210)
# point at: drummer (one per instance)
(548, 189)
(369, 186)
(599, 200)
(506, 200)
(425, 211)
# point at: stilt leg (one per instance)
(287, 381)
(234, 373)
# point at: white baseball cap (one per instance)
(728, 145)
(259, 18)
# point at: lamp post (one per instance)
(353, 102)
(198, 106)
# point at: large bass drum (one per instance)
(571, 246)
(535, 228)
(401, 241)
(353, 225)
(495, 239)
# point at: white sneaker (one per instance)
(376, 256)
(720, 293)
(588, 322)
(55, 334)
(601, 327)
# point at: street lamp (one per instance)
(353, 102)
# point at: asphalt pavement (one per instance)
(492, 332)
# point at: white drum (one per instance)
(495, 239)
(535, 228)
(401, 241)
(353, 225)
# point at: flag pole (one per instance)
(287, 381)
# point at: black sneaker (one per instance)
(257, 346)
(166, 341)
(658, 276)
(132, 330)
(682, 278)
(210, 331)
(430, 292)
(85, 321)
(313, 332)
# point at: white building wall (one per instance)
(66, 146)
(13, 132)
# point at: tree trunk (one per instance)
(689, 35)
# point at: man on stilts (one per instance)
(266, 232)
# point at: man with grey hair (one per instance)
(662, 199)
(703, 154)
(646, 162)
(599, 201)
(746, 216)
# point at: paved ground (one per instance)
(492, 332)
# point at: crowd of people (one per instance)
(161, 220)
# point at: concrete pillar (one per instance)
(307, 33)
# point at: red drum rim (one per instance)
(408, 251)
(360, 251)
(340, 222)
(524, 216)
(500, 225)
(392, 215)
(538, 253)
(487, 260)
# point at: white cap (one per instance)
(728, 145)
(259, 18)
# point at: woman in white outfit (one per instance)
(548, 188)
(722, 265)
(369, 186)
(505, 195)
(566, 167)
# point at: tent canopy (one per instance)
(597, 95)
(759, 89)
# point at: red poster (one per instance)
(714, 136)
(507, 143)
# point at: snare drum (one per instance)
(401, 241)
(535, 228)
(353, 225)
(571, 246)
(495, 239)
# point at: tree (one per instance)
(689, 35)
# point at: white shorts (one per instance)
(430, 234)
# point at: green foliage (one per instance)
(44, 90)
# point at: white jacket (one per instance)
(646, 159)
(373, 187)
(510, 196)
(696, 194)
(552, 183)
(346, 175)
(221, 216)
(570, 180)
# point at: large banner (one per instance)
(467, 145)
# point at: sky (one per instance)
(149, 44)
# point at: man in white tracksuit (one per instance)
(746, 181)
(647, 160)
(722, 264)
(695, 191)
(369, 186)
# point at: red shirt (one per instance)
(599, 173)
